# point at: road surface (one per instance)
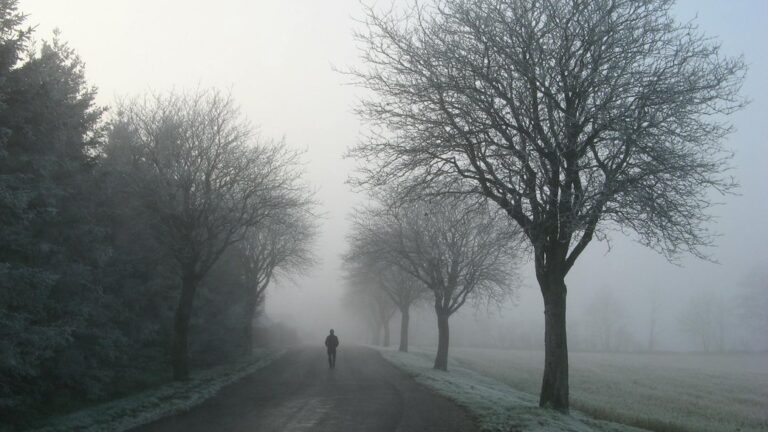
(299, 393)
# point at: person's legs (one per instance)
(330, 358)
(333, 358)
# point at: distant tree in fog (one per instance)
(653, 317)
(198, 169)
(459, 250)
(753, 306)
(703, 319)
(605, 319)
(402, 289)
(575, 117)
(405, 291)
(280, 244)
(366, 298)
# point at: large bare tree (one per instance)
(458, 250)
(205, 177)
(575, 117)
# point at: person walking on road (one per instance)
(331, 342)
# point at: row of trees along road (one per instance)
(574, 117)
(195, 166)
(129, 236)
(378, 288)
(366, 297)
(455, 250)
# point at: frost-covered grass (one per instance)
(660, 392)
(141, 408)
(496, 406)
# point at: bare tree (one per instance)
(402, 289)
(458, 251)
(605, 319)
(365, 296)
(279, 245)
(205, 177)
(703, 319)
(575, 117)
(653, 318)
(405, 291)
(386, 309)
(753, 307)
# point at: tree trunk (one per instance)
(375, 334)
(250, 313)
(721, 331)
(405, 317)
(386, 333)
(554, 386)
(441, 359)
(179, 358)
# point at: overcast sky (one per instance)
(277, 58)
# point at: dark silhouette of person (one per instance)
(331, 342)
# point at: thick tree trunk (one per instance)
(441, 359)
(554, 386)
(405, 317)
(179, 358)
(386, 333)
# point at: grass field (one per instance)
(659, 392)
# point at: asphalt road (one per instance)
(299, 392)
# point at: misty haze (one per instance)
(438, 215)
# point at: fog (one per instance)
(278, 59)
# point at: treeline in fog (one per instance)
(444, 253)
(135, 239)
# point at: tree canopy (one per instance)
(574, 117)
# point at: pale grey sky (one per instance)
(277, 58)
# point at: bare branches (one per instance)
(203, 172)
(366, 262)
(455, 250)
(281, 244)
(570, 116)
(206, 179)
(574, 117)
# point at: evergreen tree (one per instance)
(51, 245)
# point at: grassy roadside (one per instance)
(661, 392)
(150, 405)
(495, 406)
